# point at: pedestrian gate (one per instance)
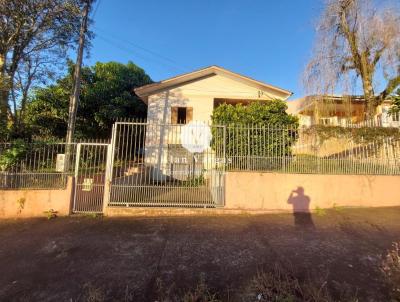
(90, 168)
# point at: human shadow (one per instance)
(301, 209)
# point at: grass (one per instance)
(390, 269)
(278, 284)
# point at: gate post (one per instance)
(77, 158)
(109, 170)
(107, 178)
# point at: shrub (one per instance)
(11, 157)
(248, 131)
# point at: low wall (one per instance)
(271, 191)
(33, 203)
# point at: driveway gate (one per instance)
(151, 165)
(90, 168)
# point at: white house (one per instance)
(192, 97)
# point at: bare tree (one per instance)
(357, 42)
(30, 31)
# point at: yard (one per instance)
(165, 259)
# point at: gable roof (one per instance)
(153, 88)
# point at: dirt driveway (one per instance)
(135, 259)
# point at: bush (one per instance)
(261, 129)
(11, 157)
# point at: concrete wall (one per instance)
(271, 191)
(33, 203)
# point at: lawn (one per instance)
(229, 258)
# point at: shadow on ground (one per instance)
(130, 259)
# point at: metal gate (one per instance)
(150, 166)
(90, 169)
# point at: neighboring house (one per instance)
(339, 111)
(193, 97)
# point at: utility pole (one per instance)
(73, 104)
(74, 99)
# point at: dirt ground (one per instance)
(134, 259)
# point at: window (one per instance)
(328, 121)
(181, 115)
(396, 117)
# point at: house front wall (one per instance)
(199, 95)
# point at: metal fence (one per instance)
(149, 163)
(152, 167)
(35, 165)
(320, 149)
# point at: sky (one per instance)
(270, 41)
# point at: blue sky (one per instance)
(264, 39)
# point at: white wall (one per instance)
(200, 96)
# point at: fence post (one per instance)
(248, 147)
(225, 162)
(78, 155)
(109, 169)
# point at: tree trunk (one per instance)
(369, 96)
(4, 94)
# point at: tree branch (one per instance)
(390, 87)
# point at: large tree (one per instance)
(33, 36)
(358, 42)
(106, 95)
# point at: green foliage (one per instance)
(195, 181)
(396, 103)
(246, 127)
(320, 211)
(260, 112)
(51, 214)
(358, 135)
(106, 95)
(11, 158)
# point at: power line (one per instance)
(175, 63)
(197, 85)
(96, 8)
(136, 54)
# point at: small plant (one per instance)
(94, 215)
(93, 294)
(21, 204)
(390, 269)
(12, 157)
(51, 214)
(275, 285)
(201, 294)
(196, 181)
(320, 211)
(281, 285)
